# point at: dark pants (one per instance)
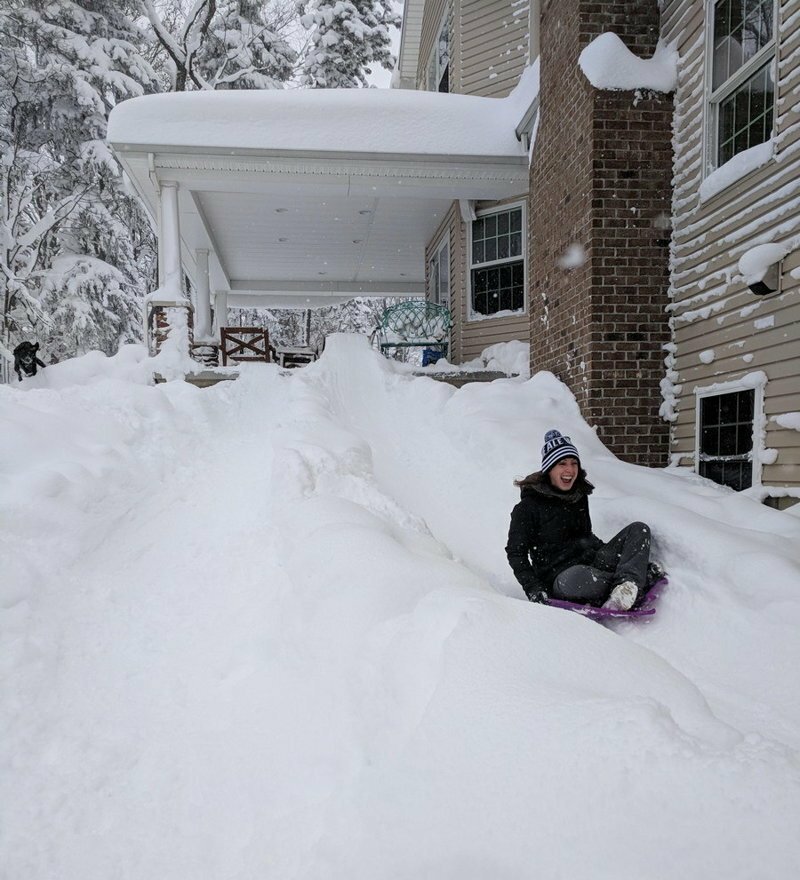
(623, 558)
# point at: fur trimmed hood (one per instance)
(539, 483)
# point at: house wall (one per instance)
(469, 338)
(489, 51)
(492, 47)
(712, 309)
(600, 179)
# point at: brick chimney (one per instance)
(599, 229)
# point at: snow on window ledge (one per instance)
(736, 168)
(608, 64)
(505, 313)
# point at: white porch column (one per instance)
(202, 306)
(169, 242)
(220, 311)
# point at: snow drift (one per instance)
(268, 630)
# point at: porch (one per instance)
(305, 199)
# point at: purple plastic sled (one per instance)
(644, 609)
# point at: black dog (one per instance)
(26, 360)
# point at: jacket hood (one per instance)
(539, 483)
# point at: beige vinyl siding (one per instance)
(475, 336)
(712, 308)
(470, 338)
(492, 47)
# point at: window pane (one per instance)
(741, 29)
(490, 225)
(515, 245)
(478, 229)
(502, 224)
(516, 220)
(709, 441)
(491, 250)
(727, 408)
(477, 252)
(502, 248)
(745, 117)
(727, 440)
(709, 410)
(744, 438)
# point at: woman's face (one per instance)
(564, 473)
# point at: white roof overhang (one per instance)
(301, 208)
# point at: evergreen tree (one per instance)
(346, 38)
(222, 44)
(63, 66)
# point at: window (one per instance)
(497, 265)
(726, 438)
(742, 75)
(439, 275)
(439, 64)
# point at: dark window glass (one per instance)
(726, 438)
(497, 239)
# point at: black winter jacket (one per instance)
(550, 531)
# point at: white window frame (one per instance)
(440, 256)
(433, 73)
(498, 209)
(713, 98)
(759, 419)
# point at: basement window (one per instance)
(725, 426)
(497, 264)
(742, 97)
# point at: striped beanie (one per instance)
(557, 446)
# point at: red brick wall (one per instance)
(601, 178)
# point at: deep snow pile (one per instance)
(267, 630)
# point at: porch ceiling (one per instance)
(313, 226)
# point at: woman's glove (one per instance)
(539, 596)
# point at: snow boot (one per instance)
(622, 597)
(655, 571)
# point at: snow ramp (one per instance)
(267, 630)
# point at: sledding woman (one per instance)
(551, 547)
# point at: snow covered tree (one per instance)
(346, 38)
(223, 44)
(63, 66)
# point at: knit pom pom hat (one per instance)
(557, 446)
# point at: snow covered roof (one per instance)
(345, 121)
(333, 193)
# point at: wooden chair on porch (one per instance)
(246, 345)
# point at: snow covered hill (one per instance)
(267, 630)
